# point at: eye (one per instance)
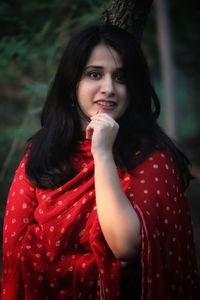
(94, 74)
(119, 77)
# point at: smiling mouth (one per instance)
(106, 104)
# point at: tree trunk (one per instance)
(130, 15)
(167, 68)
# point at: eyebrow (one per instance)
(100, 67)
(93, 66)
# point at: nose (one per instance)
(107, 86)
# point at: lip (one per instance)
(105, 104)
(105, 100)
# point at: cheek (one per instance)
(80, 91)
(85, 91)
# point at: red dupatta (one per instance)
(54, 248)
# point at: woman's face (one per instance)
(102, 87)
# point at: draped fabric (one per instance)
(53, 246)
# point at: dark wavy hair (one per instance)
(48, 164)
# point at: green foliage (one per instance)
(34, 33)
(34, 89)
(32, 36)
(11, 51)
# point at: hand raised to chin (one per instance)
(102, 130)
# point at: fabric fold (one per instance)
(54, 247)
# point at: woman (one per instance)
(97, 208)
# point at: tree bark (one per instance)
(167, 68)
(130, 15)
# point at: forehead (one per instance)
(103, 55)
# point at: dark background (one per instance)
(32, 36)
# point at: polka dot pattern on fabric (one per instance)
(53, 237)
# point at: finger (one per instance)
(103, 116)
(107, 121)
(90, 129)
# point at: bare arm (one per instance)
(118, 219)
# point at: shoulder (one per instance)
(157, 176)
(20, 173)
(22, 163)
(160, 163)
(155, 185)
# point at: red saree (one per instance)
(53, 246)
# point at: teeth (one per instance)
(106, 103)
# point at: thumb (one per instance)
(89, 132)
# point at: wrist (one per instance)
(106, 156)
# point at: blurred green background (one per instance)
(32, 36)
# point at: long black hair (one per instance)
(48, 164)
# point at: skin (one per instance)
(102, 79)
(102, 96)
